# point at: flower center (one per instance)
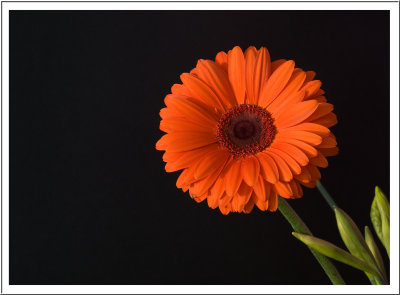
(245, 130)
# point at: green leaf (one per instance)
(382, 200)
(376, 220)
(369, 239)
(334, 252)
(380, 218)
(386, 234)
(352, 237)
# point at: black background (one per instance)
(90, 202)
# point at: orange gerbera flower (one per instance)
(245, 130)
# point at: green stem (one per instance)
(299, 226)
(326, 195)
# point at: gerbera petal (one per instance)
(233, 178)
(322, 110)
(276, 83)
(311, 88)
(218, 189)
(168, 156)
(184, 141)
(181, 124)
(328, 142)
(260, 189)
(244, 193)
(193, 72)
(307, 137)
(328, 152)
(250, 204)
(293, 165)
(225, 199)
(311, 127)
(269, 170)
(293, 151)
(180, 89)
(210, 162)
(168, 113)
(304, 176)
(191, 110)
(222, 60)
(262, 71)
(319, 161)
(236, 73)
(296, 113)
(212, 201)
(203, 185)
(250, 170)
(310, 76)
(285, 173)
(328, 121)
(315, 174)
(292, 99)
(250, 60)
(283, 189)
(185, 188)
(225, 209)
(319, 92)
(300, 190)
(186, 177)
(262, 205)
(273, 202)
(290, 94)
(198, 198)
(218, 80)
(296, 189)
(237, 204)
(187, 158)
(309, 150)
(201, 91)
(276, 64)
(311, 184)
(319, 98)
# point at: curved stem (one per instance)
(326, 195)
(299, 226)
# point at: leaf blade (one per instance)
(380, 218)
(352, 237)
(330, 250)
(369, 239)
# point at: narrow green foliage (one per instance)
(354, 241)
(380, 218)
(369, 239)
(383, 202)
(352, 237)
(363, 249)
(299, 226)
(334, 252)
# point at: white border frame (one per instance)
(393, 288)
